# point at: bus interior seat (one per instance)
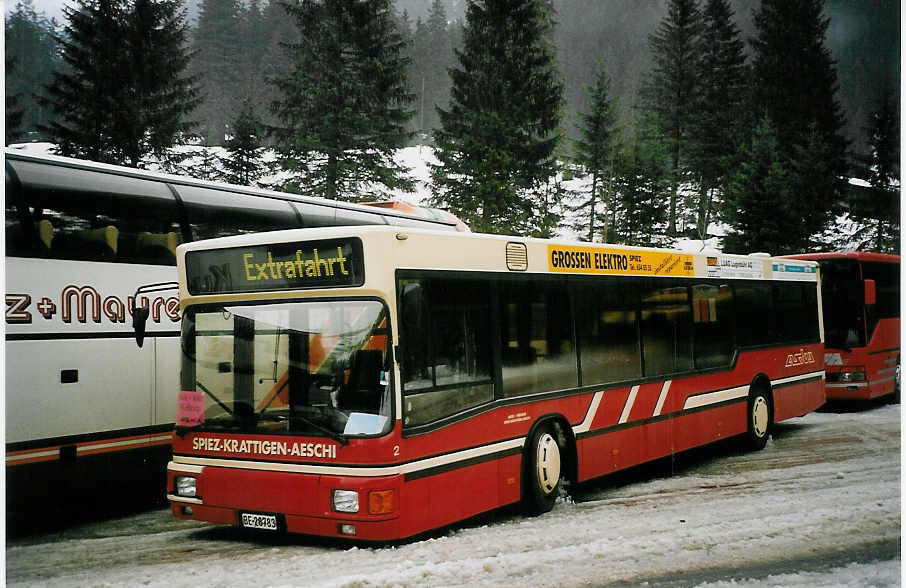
(20, 241)
(157, 246)
(45, 232)
(91, 244)
(362, 391)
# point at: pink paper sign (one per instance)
(190, 411)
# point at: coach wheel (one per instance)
(542, 471)
(760, 416)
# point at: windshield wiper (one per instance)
(214, 398)
(338, 437)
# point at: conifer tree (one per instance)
(243, 165)
(14, 112)
(794, 82)
(31, 57)
(876, 209)
(595, 152)
(757, 190)
(435, 52)
(345, 106)
(641, 182)
(123, 94)
(498, 136)
(216, 61)
(720, 106)
(672, 87)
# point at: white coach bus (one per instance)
(88, 413)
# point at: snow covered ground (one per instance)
(820, 506)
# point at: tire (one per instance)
(760, 418)
(542, 471)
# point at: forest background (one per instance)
(233, 55)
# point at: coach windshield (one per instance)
(311, 368)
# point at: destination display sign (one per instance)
(276, 266)
(576, 259)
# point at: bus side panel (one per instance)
(462, 493)
(606, 453)
(697, 428)
(73, 387)
(792, 401)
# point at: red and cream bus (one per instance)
(379, 382)
(861, 300)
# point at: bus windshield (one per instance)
(312, 368)
(842, 301)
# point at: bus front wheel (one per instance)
(760, 419)
(542, 471)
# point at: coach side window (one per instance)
(537, 349)
(666, 327)
(608, 331)
(92, 216)
(445, 337)
(219, 213)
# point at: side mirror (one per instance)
(140, 313)
(139, 320)
(871, 292)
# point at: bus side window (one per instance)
(537, 350)
(666, 327)
(220, 213)
(794, 325)
(608, 334)
(315, 215)
(713, 325)
(445, 347)
(754, 314)
(91, 216)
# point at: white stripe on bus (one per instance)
(716, 397)
(662, 398)
(585, 426)
(627, 408)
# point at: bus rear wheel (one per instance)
(760, 415)
(542, 471)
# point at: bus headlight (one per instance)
(855, 374)
(185, 486)
(345, 501)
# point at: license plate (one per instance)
(259, 521)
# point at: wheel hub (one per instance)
(548, 463)
(760, 416)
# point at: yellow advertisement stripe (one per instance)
(598, 260)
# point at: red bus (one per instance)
(861, 303)
(374, 383)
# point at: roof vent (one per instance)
(516, 257)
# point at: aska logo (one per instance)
(801, 358)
